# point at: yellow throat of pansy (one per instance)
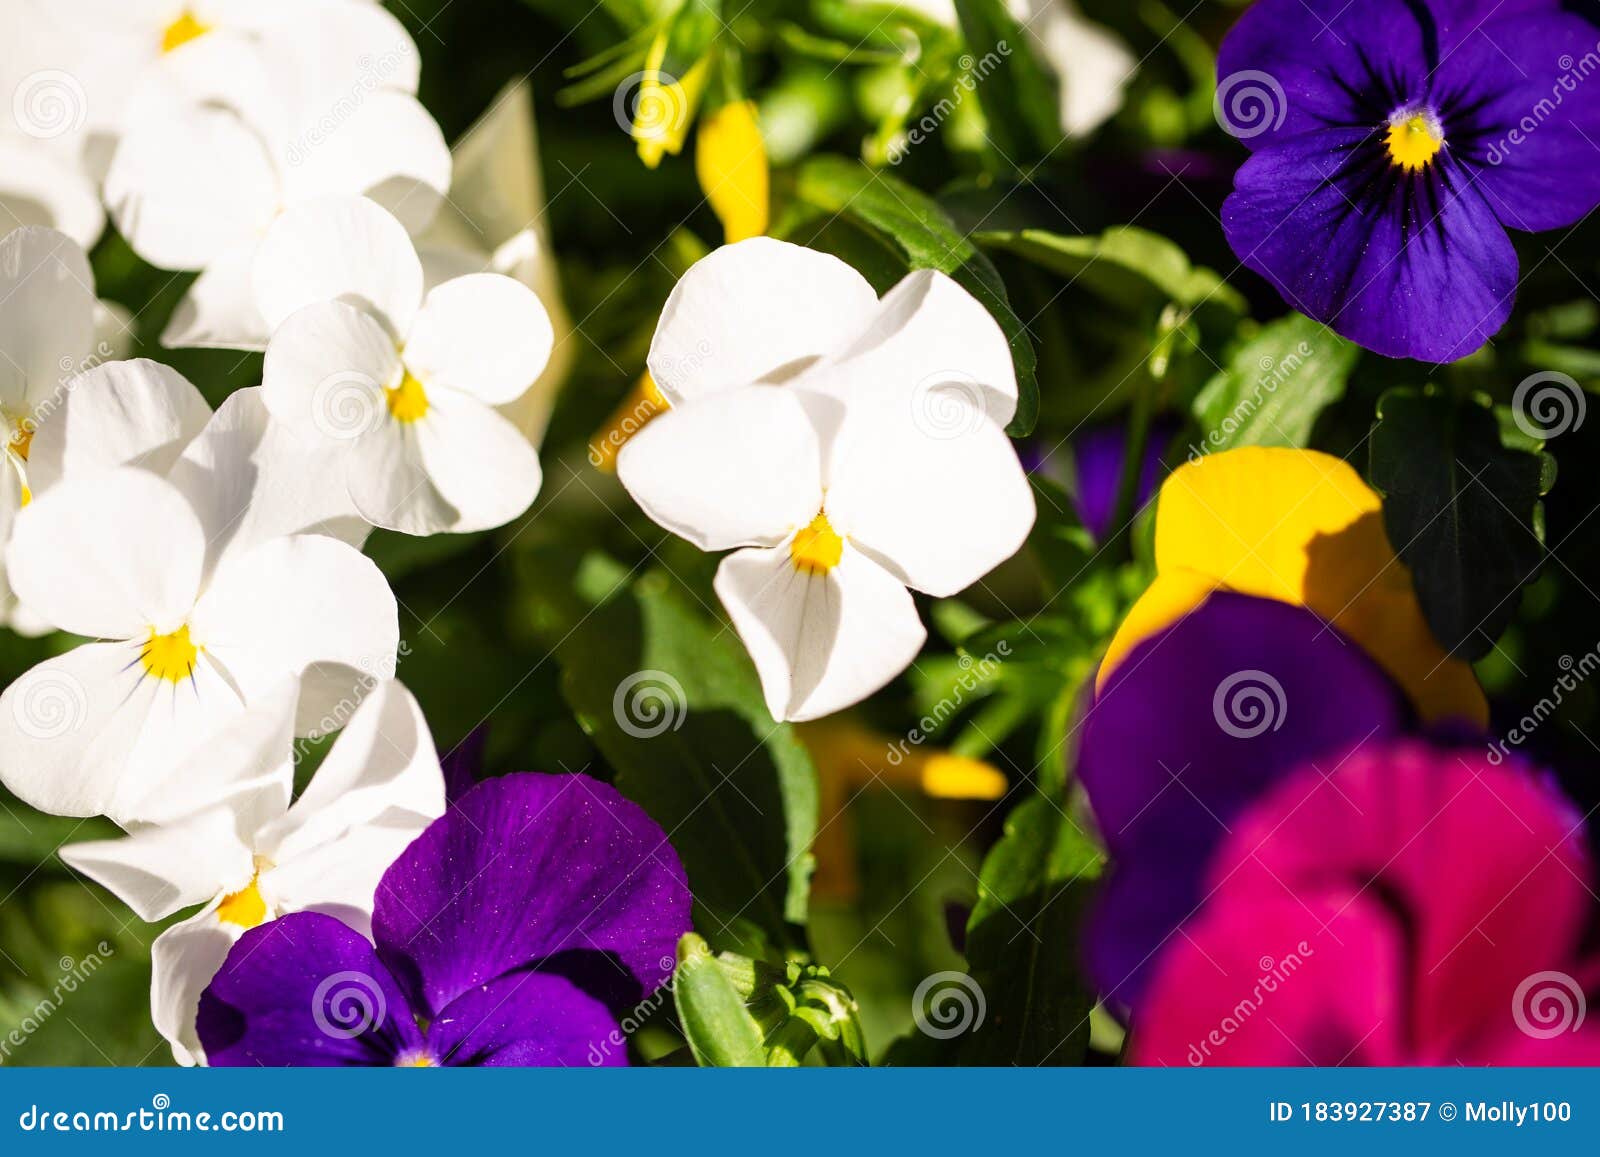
(182, 30)
(408, 402)
(816, 548)
(171, 656)
(246, 908)
(1303, 528)
(1414, 138)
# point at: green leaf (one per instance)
(1018, 97)
(1130, 267)
(1022, 940)
(1275, 385)
(720, 1030)
(670, 698)
(1463, 510)
(928, 238)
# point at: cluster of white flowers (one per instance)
(214, 559)
(850, 447)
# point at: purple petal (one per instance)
(1407, 265)
(1295, 66)
(527, 1019)
(304, 990)
(1516, 109)
(557, 871)
(1099, 455)
(1193, 725)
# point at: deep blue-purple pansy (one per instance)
(508, 933)
(1192, 727)
(1393, 144)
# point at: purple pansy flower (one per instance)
(1395, 142)
(504, 935)
(1190, 729)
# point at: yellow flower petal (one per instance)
(639, 408)
(1300, 527)
(731, 163)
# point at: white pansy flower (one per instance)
(249, 857)
(494, 221)
(248, 110)
(191, 632)
(405, 385)
(1091, 63)
(40, 185)
(853, 447)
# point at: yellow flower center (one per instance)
(408, 401)
(182, 30)
(817, 548)
(171, 656)
(245, 907)
(1414, 138)
(414, 1060)
(22, 439)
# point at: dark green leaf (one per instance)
(1461, 508)
(928, 238)
(1019, 98)
(1274, 386)
(670, 698)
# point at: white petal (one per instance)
(738, 468)
(89, 733)
(759, 310)
(495, 187)
(341, 248)
(484, 334)
(186, 188)
(136, 413)
(326, 370)
(340, 877)
(387, 148)
(928, 339)
(251, 479)
(459, 468)
(820, 642)
(304, 605)
(183, 961)
(245, 766)
(219, 310)
(328, 51)
(158, 870)
(930, 487)
(383, 759)
(38, 187)
(47, 307)
(112, 555)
